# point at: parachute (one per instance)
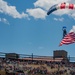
(60, 6)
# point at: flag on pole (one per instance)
(68, 39)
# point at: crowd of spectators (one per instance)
(36, 67)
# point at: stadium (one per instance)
(23, 64)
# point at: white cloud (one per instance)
(40, 47)
(73, 29)
(37, 13)
(10, 10)
(46, 4)
(59, 19)
(40, 10)
(4, 20)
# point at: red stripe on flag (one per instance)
(68, 39)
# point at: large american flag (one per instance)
(68, 39)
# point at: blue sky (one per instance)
(25, 28)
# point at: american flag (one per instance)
(68, 39)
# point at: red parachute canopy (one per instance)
(60, 6)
